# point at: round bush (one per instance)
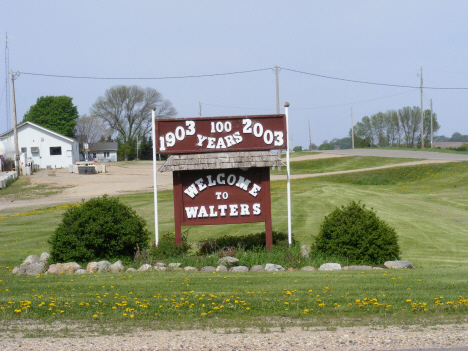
(101, 228)
(356, 233)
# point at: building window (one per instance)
(94, 155)
(55, 150)
(106, 154)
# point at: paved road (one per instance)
(399, 153)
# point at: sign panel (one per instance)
(220, 134)
(222, 196)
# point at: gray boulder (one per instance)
(103, 266)
(330, 267)
(145, 267)
(173, 265)
(304, 251)
(189, 268)
(160, 264)
(116, 267)
(159, 268)
(239, 269)
(80, 271)
(74, 265)
(130, 270)
(270, 267)
(257, 268)
(208, 269)
(228, 261)
(399, 264)
(221, 268)
(308, 269)
(30, 260)
(15, 270)
(31, 269)
(44, 257)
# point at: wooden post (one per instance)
(267, 207)
(177, 181)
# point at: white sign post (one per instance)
(155, 184)
(288, 179)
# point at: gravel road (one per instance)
(349, 338)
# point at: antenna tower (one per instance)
(7, 84)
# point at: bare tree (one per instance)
(91, 129)
(127, 110)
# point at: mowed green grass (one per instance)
(427, 205)
(336, 164)
(445, 151)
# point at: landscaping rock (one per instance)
(356, 268)
(290, 269)
(270, 267)
(305, 251)
(188, 268)
(228, 261)
(80, 271)
(15, 270)
(116, 267)
(160, 264)
(103, 266)
(30, 260)
(208, 269)
(308, 269)
(131, 270)
(92, 267)
(74, 265)
(60, 268)
(159, 268)
(221, 268)
(173, 265)
(239, 269)
(399, 264)
(32, 269)
(145, 267)
(44, 257)
(257, 268)
(330, 267)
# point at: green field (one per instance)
(427, 205)
(446, 151)
(336, 164)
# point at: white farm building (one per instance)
(41, 145)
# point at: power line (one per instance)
(146, 78)
(369, 83)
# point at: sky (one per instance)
(385, 42)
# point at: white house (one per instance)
(103, 151)
(43, 146)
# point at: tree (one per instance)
(56, 113)
(427, 126)
(297, 148)
(90, 129)
(127, 110)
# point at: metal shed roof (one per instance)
(222, 160)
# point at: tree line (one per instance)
(395, 128)
(122, 114)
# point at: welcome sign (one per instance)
(220, 134)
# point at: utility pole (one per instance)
(15, 130)
(432, 141)
(352, 129)
(7, 90)
(422, 114)
(277, 104)
(199, 108)
(310, 139)
(138, 139)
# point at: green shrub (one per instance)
(372, 180)
(357, 234)
(101, 228)
(167, 247)
(245, 242)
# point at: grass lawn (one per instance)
(446, 151)
(427, 205)
(299, 153)
(337, 164)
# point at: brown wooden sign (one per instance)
(220, 134)
(222, 196)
